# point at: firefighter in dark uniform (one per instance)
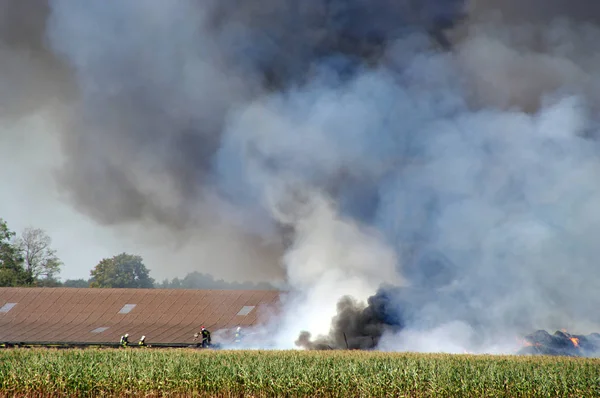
(206, 340)
(205, 334)
(142, 342)
(124, 340)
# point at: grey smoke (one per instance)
(31, 76)
(335, 136)
(157, 84)
(489, 200)
(537, 11)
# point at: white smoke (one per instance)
(505, 194)
(230, 132)
(330, 258)
(454, 337)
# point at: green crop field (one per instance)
(147, 372)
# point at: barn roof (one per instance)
(103, 315)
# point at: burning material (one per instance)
(356, 326)
(560, 343)
(525, 343)
(575, 341)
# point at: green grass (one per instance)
(108, 372)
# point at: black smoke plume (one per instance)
(337, 137)
(356, 326)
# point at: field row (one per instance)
(93, 372)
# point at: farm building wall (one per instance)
(103, 315)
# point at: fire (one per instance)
(574, 340)
(525, 343)
(560, 343)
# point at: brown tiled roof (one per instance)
(163, 315)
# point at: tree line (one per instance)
(29, 260)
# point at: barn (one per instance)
(102, 315)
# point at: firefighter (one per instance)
(238, 335)
(206, 340)
(142, 342)
(124, 340)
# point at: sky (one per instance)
(30, 198)
(33, 197)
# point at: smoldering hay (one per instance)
(446, 194)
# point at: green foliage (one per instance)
(12, 272)
(139, 372)
(121, 271)
(40, 260)
(79, 283)
(27, 260)
(197, 280)
(48, 282)
(11, 277)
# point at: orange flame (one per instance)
(574, 340)
(525, 343)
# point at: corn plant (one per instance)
(173, 372)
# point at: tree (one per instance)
(166, 284)
(80, 283)
(197, 280)
(12, 272)
(40, 260)
(121, 271)
(48, 282)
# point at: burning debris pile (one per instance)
(355, 326)
(392, 310)
(561, 343)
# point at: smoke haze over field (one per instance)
(333, 145)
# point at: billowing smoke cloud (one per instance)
(341, 144)
(488, 210)
(156, 84)
(30, 76)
